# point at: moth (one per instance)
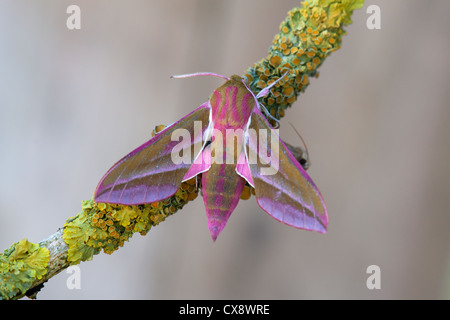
(228, 142)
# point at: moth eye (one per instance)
(304, 163)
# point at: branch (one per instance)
(307, 36)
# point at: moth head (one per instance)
(236, 78)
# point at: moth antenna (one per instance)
(261, 105)
(303, 141)
(189, 75)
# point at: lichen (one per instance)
(20, 266)
(307, 36)
(104, 226)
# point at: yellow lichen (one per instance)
(246, 193)
(103, 226)
(20, 266)
(158, 129)
(307, 37)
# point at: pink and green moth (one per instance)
(148, 174)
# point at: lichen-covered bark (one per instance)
(102, 226)
(307, 36)
(20, 266)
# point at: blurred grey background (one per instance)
(376, 123)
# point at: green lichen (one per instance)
(307, 36)
(21, 265)
(103, 226)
